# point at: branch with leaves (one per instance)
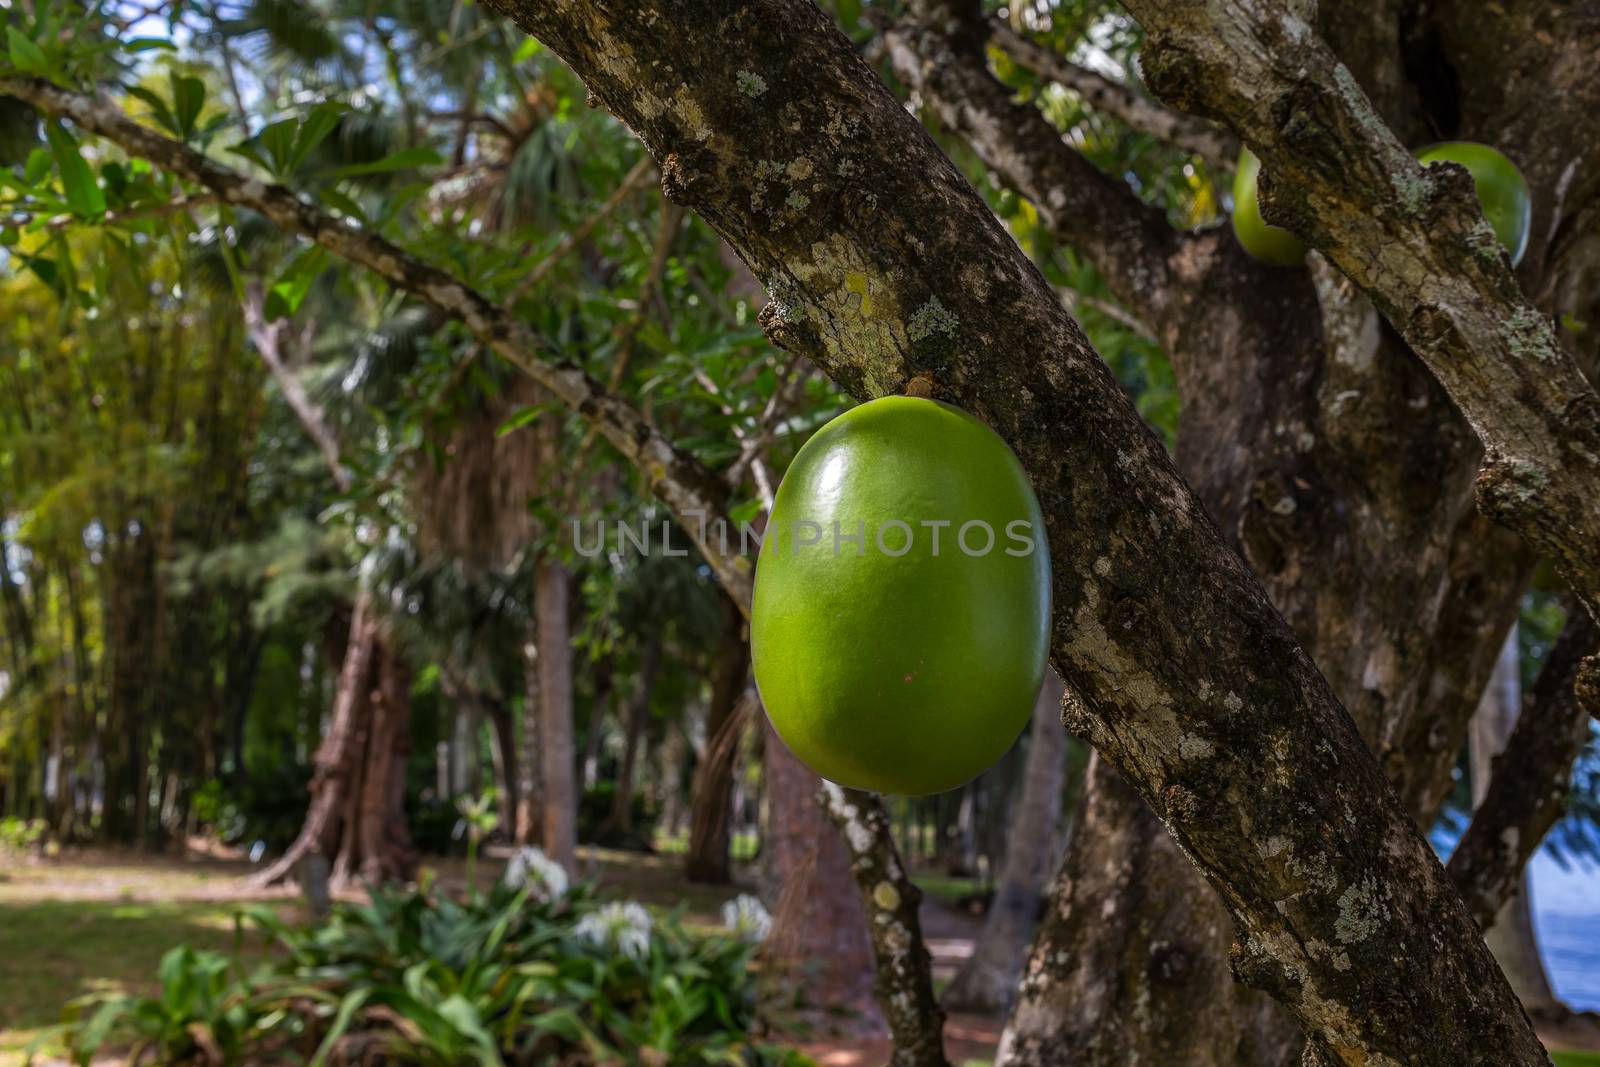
(1212, 143)
(940, 53)
(693, 491)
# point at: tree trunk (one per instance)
(708, 860)
(560, 800)
(819, 932)
(1124, 994)
(1511, 938)
(987, 981)
(383, 842)
(356, 822)
(620, 818)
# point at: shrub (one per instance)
(529, 974)
(20, 835)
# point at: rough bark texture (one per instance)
(1124, 996)
(560, 798)
(1335, 460)
(1413, 239)
(903, 981)
(1528, 789)
(987, 981)
(884, 265)
(711, 804)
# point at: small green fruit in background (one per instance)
(889, 667)
(1502, 191)
(1272, 244)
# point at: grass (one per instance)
(52, 951)
(101, 922)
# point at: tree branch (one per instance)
(903, 972)
(1212, 143)
(692, 491)
(1529, 787)
(1128, 240)
(883, 265)
(268, 341)
(1414, 239)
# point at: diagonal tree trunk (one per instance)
(1167, 638)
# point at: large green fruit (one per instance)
(1502, 191)
(1270, 243)
(883, 663)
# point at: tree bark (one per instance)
(1191, 681)
(560, 800)
(1127, 996)
(711, 807)
(987, 981)
(338, 756)
(1414, 239)
(903, 982)
(383, 843)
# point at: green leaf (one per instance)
(522, 418)
(278, 139)
(188, 99)
(745, 512)
(163, 114)
(347, 1012)
(38, 165)
(320, 122)
(289, 291)
(344, 204)
(26, 56)
(77, 180)
(527, 50)
(148, 44)
(405, 159)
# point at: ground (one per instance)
(101, 920)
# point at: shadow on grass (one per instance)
(52, 951)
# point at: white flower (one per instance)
(745, 916)
(531, 867)
(622, 926)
